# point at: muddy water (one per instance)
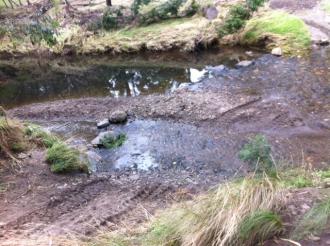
(24, 81)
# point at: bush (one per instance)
(110, 19)
(257, 153)
(63, 159)
(111, 142)
(161, 10)
(236, 19)
(39, 32)
(136, 5)
(255, 4)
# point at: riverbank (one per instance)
(186, 34)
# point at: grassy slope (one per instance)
(183, 33)
(288, 31)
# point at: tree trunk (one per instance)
(109, 3)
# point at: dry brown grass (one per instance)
(11, 136)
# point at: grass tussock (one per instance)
(238, 213)
(112, 142)
(277, 28)
(39, 136)
(12, 139)
(314, 222)
(64, 159)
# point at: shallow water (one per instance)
(24, 81)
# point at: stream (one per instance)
(292, 107)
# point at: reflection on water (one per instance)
(30, 80)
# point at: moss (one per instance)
(63, 159)
(282, 29)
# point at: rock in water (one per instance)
(118, 117)
(216, 71)
(244, 63)
(97, 142)
(277, 51)
(103, 124)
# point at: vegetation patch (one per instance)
(41, 137)
(12, 139)
(257, 153)
(326, 6)
(222, 217)
(314, 222)
(260, 226)
(111, 142)
(277, 28)
(63, 159)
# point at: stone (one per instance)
(22, 156)
(245, 63)
(249, 53)
(323, 42)
(211, 13)
(118, 117)
(218, 70)
(277, 51)
(103, 124)
(97, 142)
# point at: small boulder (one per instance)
(103, 124)
(323, 42)
(211, 13)
(244, 63)
(97, 142)
(118, 117)
(277, 51)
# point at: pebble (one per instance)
(118, 117)
(277, 51)
(103, 124)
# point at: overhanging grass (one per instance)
(111, 142)
(285, 30)
(314, 222)
(11, 137)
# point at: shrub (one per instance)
(236, 19)
(3, 32)
(189, 8)
(257, 153)
(255, 4)
(111, 142)
(136, 5)
(39, 32)
(159, 10)
(63, 159)
(110, 20)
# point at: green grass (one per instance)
(314, 222)
(287, 31)
(111, 142)
(153, 29)
(63, 159)
(260, 226)
(326, 6)
(41, 137)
